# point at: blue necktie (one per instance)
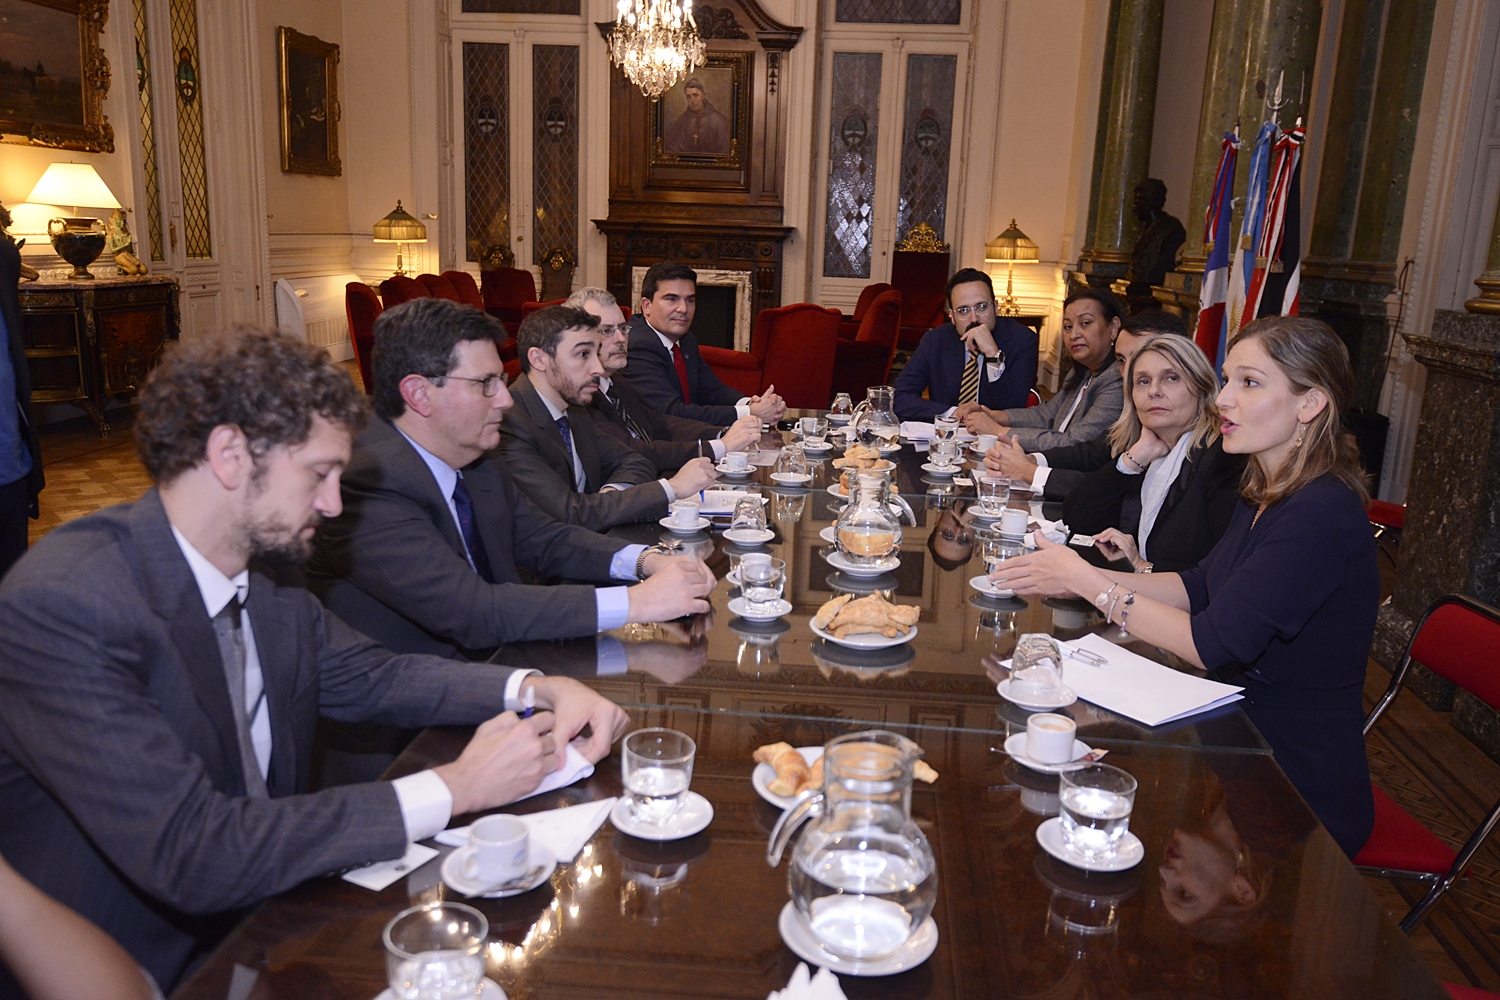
(464, 504)
(567, 436)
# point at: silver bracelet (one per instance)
(1125, 614)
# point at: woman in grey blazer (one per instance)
(1091, 397)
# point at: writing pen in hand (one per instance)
(528, 703)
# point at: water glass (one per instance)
(944, 453)
(944, 429)
(842, 407)
(434, 952)
(994, 549)
(749, 513)
(761, 584)
(792, 461)
(994, 494)
(656, 766)
(1096, 804)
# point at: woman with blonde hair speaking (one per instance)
(1285, 603)
(1169, 494)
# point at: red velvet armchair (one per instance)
(504, 290)
(439, 287)
(399, 288)
(791, 348)
(849, 328)
(362, 307)
(920, 277)
(468, 291)
(866, 360)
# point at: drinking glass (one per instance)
(1096, 804)
(994, 549)
(815, 431)
(944, 453)
(656, 766)
(1036, 670)
(433, 952)
(994, 494)
(761, 584)
(749, 513)
(944, 429)
(792, 461)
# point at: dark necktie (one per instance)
(682, 376)
(464, 504)
(231, 636)
(567, 436)
(968, 389)
(636, 430)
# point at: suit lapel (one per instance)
(414, 478)
(583, 440)
(551, 437)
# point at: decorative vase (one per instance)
(78, 241)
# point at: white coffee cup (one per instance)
(1013, 522)
(685, 513)
(736, 461)
(988, 441)
(498, 849)
(1049, 738)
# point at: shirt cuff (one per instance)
(1125, 466)
(992, 372)
(612, 659)
(671, 493)
(720, 449)
(613, 606)
(615, 486)
(426, 804)
(743, 406)
(513, 688)
(622, 566)
(1039, 478)
(948, 413)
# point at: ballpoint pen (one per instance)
(528, 703)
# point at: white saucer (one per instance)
(980, 515)
(724, 470)
(764, 774)
(1062, 701)
(840, 418)
(1015, 745)
(982, 584)
(799, 937)
(454, 878)
(750, 536)
(488, 990)
(1131, 851)
(942, 470)
(678, 529)
(869, 640)
(841, 562)
(737, 607)
(792, 478)
(835, 489)
(807, 445)
(694, 816)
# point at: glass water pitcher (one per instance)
(875, 422)
(867, 531)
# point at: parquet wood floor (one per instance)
(1421, 761)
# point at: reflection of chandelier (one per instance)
(656, 43)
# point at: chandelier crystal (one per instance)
(656, 43)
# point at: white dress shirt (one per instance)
(741, 408)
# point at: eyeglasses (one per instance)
(489, 385)
(610, 329)
(982, 309)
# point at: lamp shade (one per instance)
(1012, 246)
(76, 184)
(400, 226)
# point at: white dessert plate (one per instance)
(841, 562)
(792, 478)
(982, 584)
(870, 640)
(453, 873)
(1129, 854)
(1015, 745)
(1065, 698)
(750, 536)
(942, 470)
(799, 937)
(737, 607)
(764, 774)
(694, 816)
(813, 446)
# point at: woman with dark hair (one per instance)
(1285, 603)
(1171, 490)
(1090, 398)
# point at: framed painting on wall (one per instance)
(704, 119)
(53, 74)
(308, 93)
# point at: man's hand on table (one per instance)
(674, 586)
(768, 406)
(695, 476)
(983, 421)
(507, 758)
(577, 706)
(743, 434)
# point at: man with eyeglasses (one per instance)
(979, 358)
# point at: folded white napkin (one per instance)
(1056, 531)
(721, 501)
(823, 986)
(917, 430)
(561, 831)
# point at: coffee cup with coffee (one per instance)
(497, 850)
(737, 461)
(1013, 522)
(1049, 738)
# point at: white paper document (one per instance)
(1135, 687)
(563, 831)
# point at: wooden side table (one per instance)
(88, 342)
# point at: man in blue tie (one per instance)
(20, 455)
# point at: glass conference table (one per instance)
(1241, 893)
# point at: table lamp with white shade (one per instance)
(1011, 247)
(400, 227)
(80, 239)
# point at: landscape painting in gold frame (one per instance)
(53, 74)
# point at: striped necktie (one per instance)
(566, 430)
(636, 430)
(968, 389)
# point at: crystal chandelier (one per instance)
(656, 43)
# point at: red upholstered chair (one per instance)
(527, 308)
(1387, 519)
(866, 360)
(504, 290)
(1458, 992)
(1033, 398)
(399, 288)
(919, 277)
(1457, 638)
(849, 328)
(468, 291)
(362, 307)
(439, 287)
(791, 348)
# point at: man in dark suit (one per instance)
(549, 443)
(665, 367)
(20, 452)
(992, 362)
(619, 411)
(158, 690)
(428, 553)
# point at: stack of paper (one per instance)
(1135, 687)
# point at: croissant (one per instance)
(792, 772)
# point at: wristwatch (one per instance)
(671, 547)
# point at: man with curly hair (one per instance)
(159, 687)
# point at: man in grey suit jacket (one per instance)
(549, 443)
(158, 691)
(396, 564)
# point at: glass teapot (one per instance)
(862, 876)
(875, 423)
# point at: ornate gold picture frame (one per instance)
(53, 75)
(308, 95)
(704, 121)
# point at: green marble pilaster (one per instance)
(1281, 45)
(1221, 91)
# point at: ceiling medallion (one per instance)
(656, 43)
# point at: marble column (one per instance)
(1488, 300)
(1221, 112)
(1126, 158)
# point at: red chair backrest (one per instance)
(468, 291)
(867, 298)
(507, 286)
(362, 307)
(1386, 514)
(399, 288)
(1033, 398)
(439, 287)
(798, 343)
(1459, 639)
(920, 278)
(527, 308)
(882, 319)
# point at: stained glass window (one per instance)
(189, 80)
(925, 142)
(554, 160)
(852, 144)
(521, 6)
(148, 134)
(486, 147)
(897, 11)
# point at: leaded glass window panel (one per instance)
(148, 133)
(926, 134)
(897, 11)
(521, 6)
(852, 143)
(189, 85)
(554, 159)
(486, 147)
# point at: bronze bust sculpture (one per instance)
(1155, 252)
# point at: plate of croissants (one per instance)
(869, 622)
(783, 772)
